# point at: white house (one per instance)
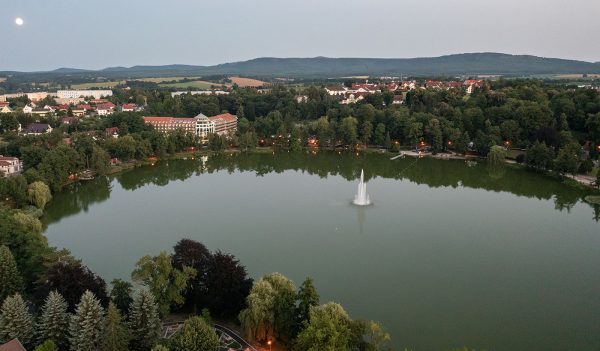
(29, 108)
(10, 165)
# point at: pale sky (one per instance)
(102, 33)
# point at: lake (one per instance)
(447, 256)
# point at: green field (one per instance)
(110, 84)
(197, 84)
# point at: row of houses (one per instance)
(100, 107)
(201, 125)
(61, 94)
(357, 92)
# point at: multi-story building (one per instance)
(200, 125)
(72, 94)
(167, 124)
(225, 123)
(9, 166)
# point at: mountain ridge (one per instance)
(453, 64)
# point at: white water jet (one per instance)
(362, 198)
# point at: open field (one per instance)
(246, 82)
(109, 84)
(197, 84)
(2, 79)
(571, 76)
(164, 79)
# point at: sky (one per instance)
(105, 33)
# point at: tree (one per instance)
(568, 159)
(379, 135)
(462, 143)
(415, 132)
(539, 156)
(116, 335)
(296, 139)
(87, 324)
(54, 320)
(196, 335)
(434, 132)
(100, 160)
(120, 295)
(366, 131)
(164, 281)
(496, 156)
(71, 279)
(58, 164)
(190, 253)
(10, 279)
(247, 141)
(258, 319)
(376, 336)
(216, 142)
(15, 320)
(388, 141)
(593, 126)
(227, 285)
(271, 309)
(328, 329)
(159, 347)
(348, 130)
(26, 242)
(39, 194)
(144, 323)
(307, 298)
(48, 345)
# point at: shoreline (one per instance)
(579, 181)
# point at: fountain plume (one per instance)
(362, 198)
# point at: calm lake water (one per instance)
(448, 255)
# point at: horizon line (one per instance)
(287, 58)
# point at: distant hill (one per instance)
(451, 65)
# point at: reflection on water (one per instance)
(430, 172)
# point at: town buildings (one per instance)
(10, 166)
(72, 94)
(200, 92)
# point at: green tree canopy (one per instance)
(15, 321)
(196, 335)
(165, 282)
(86, 328)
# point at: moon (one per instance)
(19, 21)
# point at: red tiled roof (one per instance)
(129, 106)
(106, 106)
(13, 345)
(227, 117)
(7, 158)
(3, 103)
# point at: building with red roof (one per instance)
(225, 123)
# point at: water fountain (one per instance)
(362, 198)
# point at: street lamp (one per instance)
(270, 344)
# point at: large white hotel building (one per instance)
(200, 125)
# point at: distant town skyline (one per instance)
(80, 34)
